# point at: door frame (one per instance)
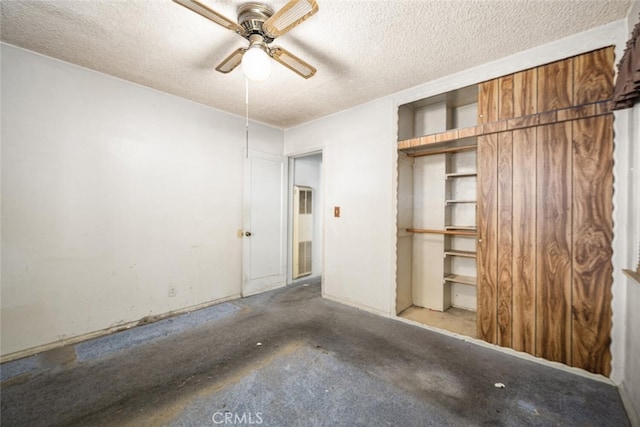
(291, 158)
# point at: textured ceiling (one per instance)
(363, 49)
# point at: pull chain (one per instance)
(246, 110)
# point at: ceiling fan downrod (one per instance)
(251, 17)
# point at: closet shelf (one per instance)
(560, 115)
(459, 278)
(466, 254)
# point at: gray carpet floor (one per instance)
(290, 358)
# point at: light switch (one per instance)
(336, 211)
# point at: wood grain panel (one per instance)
(402, 145)
(449, 135)
(553, 237)
(555, 85)
(577, 112)
(524, 240)
(487, 219)
(467, 132)
(593, 76)
(505, 108)
(505, 238)
(592, 235)
(548, 117)
(494, 127)
(523, 122)
(525, 87)
(604, 107)
(488, 101)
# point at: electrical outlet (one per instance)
(172, 291)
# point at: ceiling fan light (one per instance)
(256, 64)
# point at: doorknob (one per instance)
(247, 233)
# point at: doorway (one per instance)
(305, 219)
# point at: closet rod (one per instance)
(444, 150)
(454, 232)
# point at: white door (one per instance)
(264, 259)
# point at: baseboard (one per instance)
(512, 352)
(263, 290)
(355, 305)
(633, 411)
(117, 328)
(306, 279)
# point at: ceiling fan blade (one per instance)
(292, 62)
(231, 61)
(291, 14)
(210, 14)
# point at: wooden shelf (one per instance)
(466, 254)
(453, 231)
(583, 111)
(458, 278)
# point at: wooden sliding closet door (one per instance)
(487, 247)
(544, 219)
(524, 274)
(592, 236)
(592, 216)
(553, 243)
(544, 241)
(505, 238)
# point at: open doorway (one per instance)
(304, 245)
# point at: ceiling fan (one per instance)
(260, 25)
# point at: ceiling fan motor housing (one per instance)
(251, 16)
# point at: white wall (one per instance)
(429, 290)
(630, 382)
(628, 377)
(359, 161)
(308, 172)
(111, 194)
(404, 270)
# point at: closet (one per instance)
(505, 210)
(438, 213)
